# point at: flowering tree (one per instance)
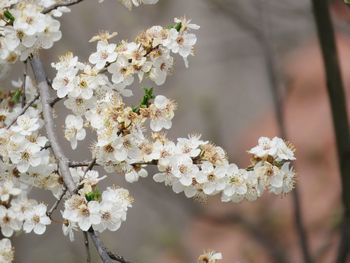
(128, 138)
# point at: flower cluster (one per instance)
(17, 211)
(24, 151)
(201, 169)
(27, 26)
(101, 212)
(25, 29)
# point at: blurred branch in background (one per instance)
(274, 77)
(339, 113)
(273, 248)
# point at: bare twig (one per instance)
(87, 248)
(24, 99)
(104, 252)
(55, 6)
(55, 205)
(23, 111)
(54, 101)
(337, 100)
(90, 166)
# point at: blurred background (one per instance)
(247, 52)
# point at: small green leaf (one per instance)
(9, 16)
(95, 195)
(16, 96)
(144, 103)
(178, 26)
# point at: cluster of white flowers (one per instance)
(101, 212)
(210, 257)
(200, 169)
(6, 251)
(25, 29)
(24, 151)
(19, 212)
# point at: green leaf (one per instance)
(95, 195)
(178, 26)
(16, 97)
(145, 101)
(9, 16)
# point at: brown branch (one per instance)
(337, 101)
(55, 6)
(23, 111)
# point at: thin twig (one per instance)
(55, 205)
(108, 255)
(23, 111)
(24, 99)
(54, 101)
(87, 247)
(55, 6)
(90, 166)
(337, 100)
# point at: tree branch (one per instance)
(55, 6)
(339, 113)
(41, 79)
